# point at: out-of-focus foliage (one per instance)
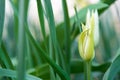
(55, 57)
(113, 69)
(2, 13)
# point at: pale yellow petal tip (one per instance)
(84, 27)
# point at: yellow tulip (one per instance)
(86, 38)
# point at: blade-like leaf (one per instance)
(51, 22)
(29, 55)
(109, 2)
(4, 57)
(12, 74)
(15, 6)
(21, 47)
(52, 75)
(67, 35)
(41, 17)
(2, 14)
(113, 69)
(50, 18)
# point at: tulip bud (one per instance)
(86, 45)
(86, 38)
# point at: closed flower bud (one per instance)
(86, 45)
(86, 38)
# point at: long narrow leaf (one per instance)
(5, 57)
(51, 22)
(14, 6)
(2, 14)
(23, 5)
(113, 69)
(41, 17)
(67, 34)
(52, 75)
(29, 56)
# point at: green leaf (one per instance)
(29, 55)
(83, 11)
(109, 2)
(15, 5)
(42, 23)
(51, 23)
(113, 69)
(52, 75)
(41, 17)
(77, 66)
(56, 68)
(4, 57)
(67, 35)
(2, 14)
(21, 47)
(12, 74)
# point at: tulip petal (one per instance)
(81, 43)
(88, 18)
(89, 54)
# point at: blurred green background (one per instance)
(107, 38)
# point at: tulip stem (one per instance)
(87, 70)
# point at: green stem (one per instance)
(87, 70)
